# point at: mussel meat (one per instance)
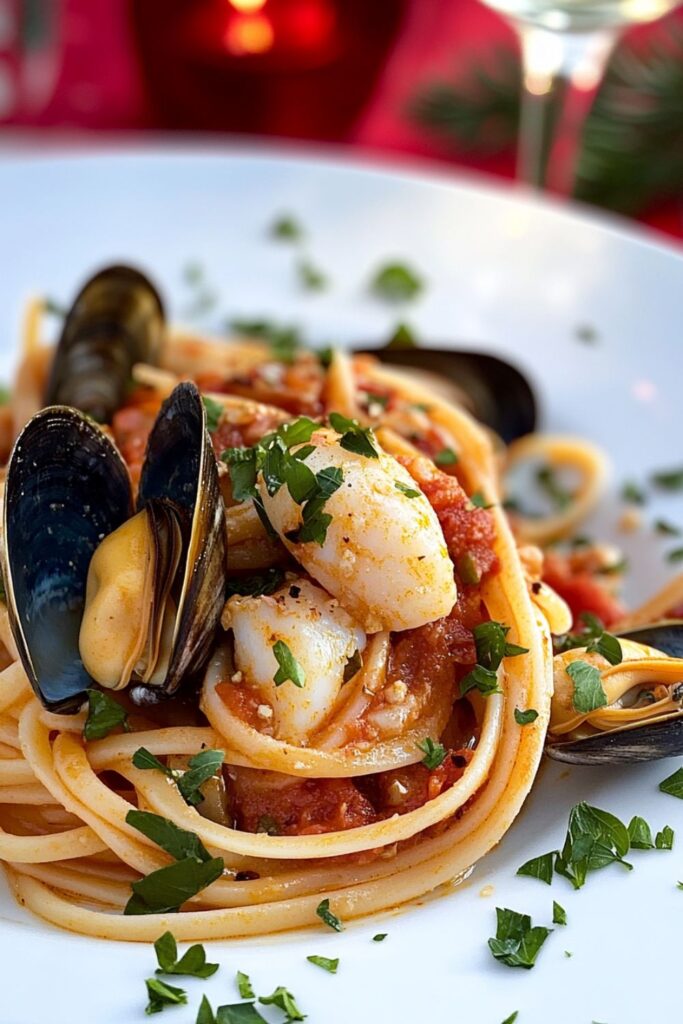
(124, 598)
(116, 320)
(654, 732)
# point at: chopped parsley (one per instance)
(161, 995)
(409, 492)
(595, 839)
(668, 479)
(285, 341)
(435, 754)
(289, 667)
(5, 394)
(314, 520)
(539, 867)
(517, 942)
(640, 835)
(239, 1013)
(268, 825)
(525, 717)
(323, 961)
(675, 556)
(311, 277)
(559, 914)
(266, 582)
(214, 411)
(667, 529)
(512, 1018)
(492, 646)
(284, 1000)
(673, 785)
(200, 769)
(588, 694)
(325, 914)
(396, 282)
(104, 714)
(403, 337)
(479, 678)
(477, 500)
(286, 228)
(244, 986)
(664, 840)
(594, 637)
(192, 963)
(205, 1014)
(632, 494)
(165, 890)
(380, 937)
(446, 457)
(355, 438)
(547, 480)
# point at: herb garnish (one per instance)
(632, 493)
(266, 582)
(214, 411)
(205, 1014)
(284, 999)
(539, 867)
(669, 479)
(285, 341)
(322, 961)
(547, 480)
(286, 228)
(192, 963)
(355, 438)
(435, 754)
(512, 1018)
(492, 647)
(667, 529)
(244, 986)
(446, 457)
(477, 500)
(594, 637)
(396, 282)
(675, 556)
(559, 914)
(315, 521)
(525, 717)
(673, 785)
(161, 995)
(311, 277)
(402, 337)
(517, 942)
(409, 492)
(238, 1013)
(200, 769)
(104, 714)
(588, 692)
(325, 914)
(380, 937)
(166, 889)
(289, 667)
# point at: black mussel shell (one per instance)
(116, 320)
(67, 488)
(180, 467)
(497, 393)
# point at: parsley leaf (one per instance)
(435, 754)
(144, 760)
(289, 666)
(200, 769)
(477, 500)
(284, 999)
(632, 493)
(640, 834)
(608, 646)
(402, 337)
(104, 714)
(588, 692)
(355, 438)
(539, 867)
(244, 986)
(325, 914)
(446, 457)
(243, 468)
(409, 492)
(669, 479)
(396, 282)
(664, 840)
(192, 963)
(239, 1013)
(315, 521)
(161, 995)
(165, 833)
(380, 937)
(479, 678)
(559, 914)
(525, 717)
(205, 1014)
(594, 840)
(667, 529)
(592, 630)
(547, 480)
(675, 556)
(492, 646)
(517, 943)
(674, 784)
(512, 1018)
(265, 582)
(322, 961)
(286, 228)
(311, 277)
(214, 411)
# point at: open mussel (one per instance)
(116, 320)
(655, 733)
(117, 598)
(493, 390)
(67, 488)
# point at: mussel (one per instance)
(648, 739)
(495, 391)
(97, 594)
(116, 320)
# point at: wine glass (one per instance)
(565, 46)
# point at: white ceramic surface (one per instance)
(505, 273)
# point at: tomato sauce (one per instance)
(582, 591)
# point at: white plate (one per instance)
(503, 272)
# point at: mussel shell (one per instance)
(636, 742)
(67, 488)
(180, 466)
(116, 320)
(497, 393)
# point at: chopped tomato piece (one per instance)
(582, 591)
(131, 427)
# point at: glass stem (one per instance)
(561, 74)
